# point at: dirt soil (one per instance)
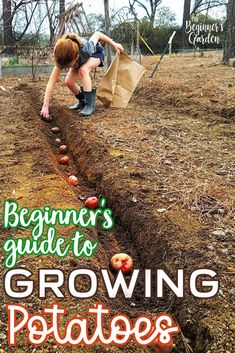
(165, 165)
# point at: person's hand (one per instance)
(45, 111)
(118, 47)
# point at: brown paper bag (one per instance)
(119, 81)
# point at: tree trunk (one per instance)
(152, 20)
(62, 6)
(149, 6)
(229, 50)
(107, 30)
(186, 17)
(61, 11)
(8, 39)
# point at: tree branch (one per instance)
(203, 5)
(28, 22)
(23, 2)
(144, 7)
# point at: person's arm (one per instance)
(100, 36)
(48, 93)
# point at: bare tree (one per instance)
(121, 15)
(206, 5)
(18, 16)
(22, 18)
(186, 16)
(11, 9)
(51, 14)
(149, 6)
(229, 51)
(54, 11)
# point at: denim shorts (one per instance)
(99, 54)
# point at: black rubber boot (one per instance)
(81, 104)
(90, 103)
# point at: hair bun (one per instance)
(74, 38)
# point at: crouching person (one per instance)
(81, 56)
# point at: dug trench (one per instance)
(31, 175)
(154, 239)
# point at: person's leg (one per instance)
(89, 93)
(71, 82)
(84, 73)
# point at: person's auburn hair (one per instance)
(67, 49)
